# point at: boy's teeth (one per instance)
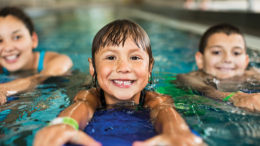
(122, 82)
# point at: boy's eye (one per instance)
(215, 52)
(135, 58)
(111, 58)
(237, 53)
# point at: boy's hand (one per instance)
(247, 101)
(57, 135)
(188, 139)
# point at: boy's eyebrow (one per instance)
(136, 49)
(219, 46)
(115, 50)
(216, 46)
(238, 47)
(108, 50)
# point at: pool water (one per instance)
(71, 32)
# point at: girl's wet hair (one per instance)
(228, 29)
(19, 14)
(116, 33)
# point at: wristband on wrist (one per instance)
(229, 96)
(65, 120)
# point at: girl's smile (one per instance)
(16, 44)
(122, 71)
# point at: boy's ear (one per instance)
(151, 66)
(199, 60)
(247, 60)
(91, 67)
(35, 40)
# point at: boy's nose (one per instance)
(227, 58)
(123, 66)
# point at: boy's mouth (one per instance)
(123, 83)
(225, 68)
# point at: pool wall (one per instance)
(248, 22)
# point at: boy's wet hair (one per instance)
(228, 29)
(116, 33)
(19, 14)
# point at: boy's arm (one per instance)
(171, 126)
(254, 73)
(194, 81)
(85, 104)
(82, 111)
(56, 64)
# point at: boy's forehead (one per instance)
(222, 38)
(127, 44)
(119, 47)
(220, 35)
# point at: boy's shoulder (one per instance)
(154, 96)
(90, 95)
(252, 71)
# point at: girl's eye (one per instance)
(17, 37)
(135, 58)
(111, 58)
(1, 40)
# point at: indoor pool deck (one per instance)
(198, 21)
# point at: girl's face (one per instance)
(122, 72)
(16, 44)
(224, 56)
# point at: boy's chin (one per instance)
(124, 96)
(225, 76)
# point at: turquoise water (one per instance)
(71, 32)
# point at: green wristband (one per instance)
(229, 96)
(65, 120)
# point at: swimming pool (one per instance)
(71, 32)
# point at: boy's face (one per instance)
(122, 72)
(224, 56)
(16, 44)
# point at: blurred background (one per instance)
(243, 13)
(217, 5)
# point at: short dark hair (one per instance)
(219, 28)
(19, 14)
(116, 33)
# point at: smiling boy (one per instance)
(121, 65)
(222, 61)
